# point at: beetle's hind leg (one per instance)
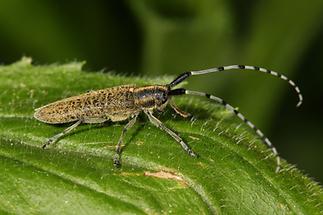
(179, 111)
(117, 156)
(55, 138)
(178, 139)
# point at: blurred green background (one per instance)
(151, 37)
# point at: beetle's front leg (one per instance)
(179, 111)
(178, 139)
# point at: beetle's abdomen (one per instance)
(115, 103)
(63, 111)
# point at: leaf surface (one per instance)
(234, 173)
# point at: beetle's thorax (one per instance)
(151, 97)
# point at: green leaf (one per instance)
(235, 172)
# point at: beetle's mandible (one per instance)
(127, 102)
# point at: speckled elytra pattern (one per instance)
(115, 104)
(123, 102)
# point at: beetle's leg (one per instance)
(55, 138)
(117, 156)
(178, 139)
(179, 111)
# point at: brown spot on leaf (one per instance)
(166, 175)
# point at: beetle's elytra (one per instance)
(127, 102)
(115, 104)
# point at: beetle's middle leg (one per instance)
(117, 156)
(55, 138)
(178, 139)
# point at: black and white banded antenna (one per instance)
(182, 91)
(185, 75)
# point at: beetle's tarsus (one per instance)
(117, 161)
(49, 141)
(192, 154)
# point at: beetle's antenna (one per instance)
(182, 91)
(185, 75)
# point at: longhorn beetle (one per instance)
(127, 101)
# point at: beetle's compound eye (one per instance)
(162, 97)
